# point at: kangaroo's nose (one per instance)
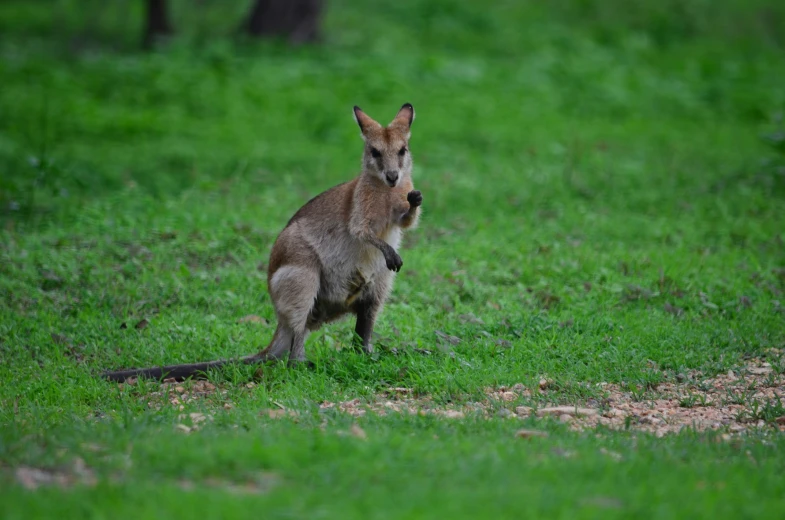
(392, 177)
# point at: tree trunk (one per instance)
(158, 24)
(296, 20)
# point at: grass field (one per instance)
(604, 199)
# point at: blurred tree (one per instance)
(157, 24)
(297, 20)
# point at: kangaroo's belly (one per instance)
(350, 269)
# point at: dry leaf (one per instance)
(278, 413)
(197, 418)
(547, 299)
(508, 396)
(358, 432)
(471, 318)
(260, 483)
(85, 474)
(252, 318)
(672, 309)
(33, 478)
(565, 410)
(452, 340)
(612, 454)
(60, 339)
(528, 434)
(567, 454)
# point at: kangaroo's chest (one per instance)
(370, 260)
(360, 265)
(370, 265)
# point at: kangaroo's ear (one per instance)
(404, 118)
(364, 121)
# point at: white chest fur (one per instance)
(372, 260)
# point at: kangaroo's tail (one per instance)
(278, 349)
(179, 372)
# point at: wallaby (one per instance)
(338, 254)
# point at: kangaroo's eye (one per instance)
(376, 153)
(402, 151)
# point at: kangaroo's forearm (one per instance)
(411, 218)
(376, 242)
(391, 256)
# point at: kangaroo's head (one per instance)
(386, 156)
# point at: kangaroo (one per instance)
(338, 254)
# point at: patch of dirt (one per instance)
(191, 422)
(279, 413)
(178, 394)
(733, 402)
(78, 474)
(750, 397)
(256, 485)
(399, 400)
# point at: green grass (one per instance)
(598, 189)
(410, 469)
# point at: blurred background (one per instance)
(164, 95)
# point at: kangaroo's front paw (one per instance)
(393, 260)
(415, 198)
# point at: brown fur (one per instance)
(337, 255)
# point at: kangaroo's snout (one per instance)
(391, 176)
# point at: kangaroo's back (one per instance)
(320, 217)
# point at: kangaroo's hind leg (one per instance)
(368, 307)
(293, 289)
